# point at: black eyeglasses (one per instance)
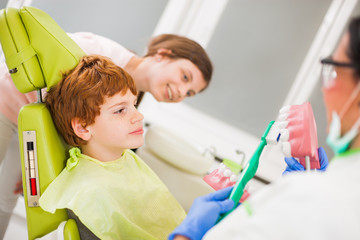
(328, 72)
(330, 61)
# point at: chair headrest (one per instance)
(37, 51)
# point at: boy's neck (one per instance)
(101, 154)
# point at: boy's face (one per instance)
(118, 127)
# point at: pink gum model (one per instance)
(217, 180)
(300, 136)
(223, 177)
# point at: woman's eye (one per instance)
(190, 93)
(186, 79)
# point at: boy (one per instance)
(106, 185)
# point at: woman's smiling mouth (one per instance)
(169, 93)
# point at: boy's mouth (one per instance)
(138, 131)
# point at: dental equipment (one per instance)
(299, 135)
(178, 150)
(270, 136)
(221, 177)
(296, 129)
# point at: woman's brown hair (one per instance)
(182, 47)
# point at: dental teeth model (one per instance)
(298, 134)
(221, 177)
(295, 128)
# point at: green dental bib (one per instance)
(122, 199)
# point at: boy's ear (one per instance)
(79, 129)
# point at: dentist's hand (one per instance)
(203, 214)
(294, 165)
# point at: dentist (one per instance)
(304, 205)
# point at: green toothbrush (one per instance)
(271, 136)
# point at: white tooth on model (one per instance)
(284, 135)
(284, 109)
(286, 148)
(221, 165)
(282, 124)
(233, 178)
(222, 168)
(282, 117)
(227, 173)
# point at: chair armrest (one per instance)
(71, 231)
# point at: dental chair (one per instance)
(37, 52)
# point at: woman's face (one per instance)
(337, 94)
(172, 80)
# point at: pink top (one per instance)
(11, 100)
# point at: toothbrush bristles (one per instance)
(273, 135)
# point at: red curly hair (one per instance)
(82, 91)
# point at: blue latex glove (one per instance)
(294, 165)
(203, 214)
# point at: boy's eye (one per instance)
(120, 110)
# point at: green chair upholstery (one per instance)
(37, 52)
(35, 125)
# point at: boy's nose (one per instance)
(137, 116)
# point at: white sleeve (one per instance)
(95, 44)
(296, 207)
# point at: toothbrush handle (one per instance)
(248, 173)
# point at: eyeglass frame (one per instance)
(331, 62)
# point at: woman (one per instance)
(174, 67)
(305, 205)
